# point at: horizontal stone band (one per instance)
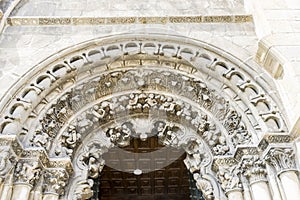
(29, 21)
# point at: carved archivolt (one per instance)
(103, 86)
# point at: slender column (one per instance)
(21, 191)
(283, 160)
(25, 176)
(247, 194)
(255, 171)
(1, 184)
(37, 193)
(55, 181)
(235, 195)
(50, 197)
(7, 187)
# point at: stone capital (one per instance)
(229, 177)
(55, 181)
(27, 172)
(282, 159)
(254, 169)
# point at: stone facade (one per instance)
(216, 79)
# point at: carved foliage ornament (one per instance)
(254, 169)
(139, 103)
(282, 159)
(27, 172)
(229, 178)
(55, 181)
(196, 90)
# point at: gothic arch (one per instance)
(94, 90)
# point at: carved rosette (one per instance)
(55, 181)
(282, 159)
(254, 169)
(27, 172)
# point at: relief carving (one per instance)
(92, 159)
(69, 139)
(27, 172)
(55, 181)
(5, 163)
(167, 133)
(220, 141)
(84, 190)
(204, 186)
(229, 178)
(282, 159)
(120, 135)
(254, 169)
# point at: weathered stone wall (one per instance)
(23, 46)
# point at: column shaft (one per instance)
(260, 190)
(7, 188)
(290, 183)
(21, 191)
(50, 197)
(235, 195)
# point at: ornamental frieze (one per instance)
(143, 104)
(83, 94)
(59, 75)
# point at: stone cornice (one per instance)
(42, 21)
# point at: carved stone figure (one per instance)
(167, 134)
(5, 164)
(95, 166)
(204, 185)
(40, 139)
(93, 160)
(69, 139)
(120, 135)
(84, 190)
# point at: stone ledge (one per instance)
(29, 21)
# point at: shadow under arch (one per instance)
(90, 159)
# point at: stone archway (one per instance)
(67, 107)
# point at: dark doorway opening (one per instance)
(170, 182)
